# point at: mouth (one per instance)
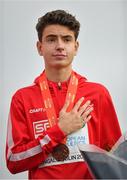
(60, 56)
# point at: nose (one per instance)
(60, 44)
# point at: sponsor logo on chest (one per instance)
(36, 110)
(40, 126)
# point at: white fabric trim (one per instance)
(45, 140)
(26, 154)
(22, 155)
(9, 136)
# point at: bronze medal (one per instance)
(60, 152)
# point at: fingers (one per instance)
(84, 107)
(86, 115)
(88, 118)
(66, 104)
(75, 119)
(83, 111)
(76, 107)
(78, 104)
(88, 111)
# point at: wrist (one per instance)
(63, 129)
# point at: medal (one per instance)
(61, 151)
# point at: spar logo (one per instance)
(40, 126)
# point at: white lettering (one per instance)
(36, 110)
(40, 127)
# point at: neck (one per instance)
(59, 75)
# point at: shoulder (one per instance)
(26, 91)
(90, 86)
(95, 85)
(100, 91)
(84, 82)
(98, 88)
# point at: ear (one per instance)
(39, 48)
(76, 47)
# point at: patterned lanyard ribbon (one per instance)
(49, 106)
(48, 102)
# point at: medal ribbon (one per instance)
(48, 102)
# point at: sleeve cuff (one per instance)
(56, 134)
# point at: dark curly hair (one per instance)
(60, 17)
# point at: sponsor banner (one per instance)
(71, 158)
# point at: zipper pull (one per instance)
(59, 86)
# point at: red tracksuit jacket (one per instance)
(30, 141)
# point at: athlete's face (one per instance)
(58, 46)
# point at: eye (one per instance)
(67, 39)
(51, 39)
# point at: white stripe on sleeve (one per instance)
(45, 140)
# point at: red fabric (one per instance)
(24, 152)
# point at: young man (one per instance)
(60, 110)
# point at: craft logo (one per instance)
(36, 110)
(40, 127)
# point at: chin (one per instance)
(60, 65)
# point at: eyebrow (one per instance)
(63, 36)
